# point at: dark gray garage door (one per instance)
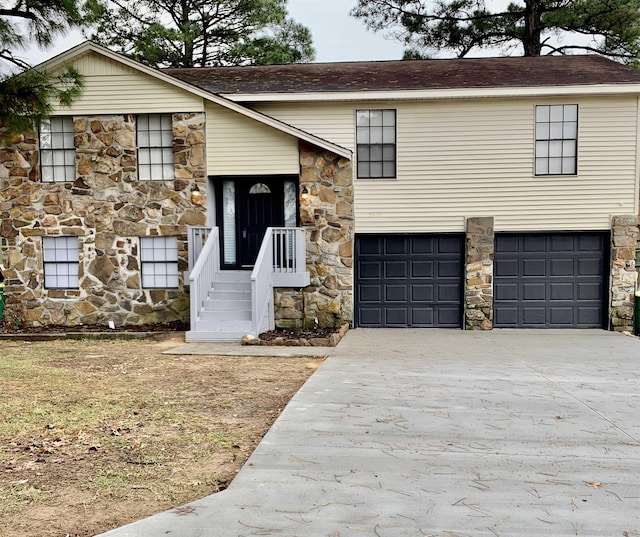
(550, 280)
(409, 280)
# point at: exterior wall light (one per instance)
(197, 196)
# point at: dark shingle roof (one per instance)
(410, 75)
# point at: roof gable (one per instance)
(88, 47)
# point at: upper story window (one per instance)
(376, 143)
(155, 147)
(556, 139)
(61, 263)
(159, 260)
(57, 150)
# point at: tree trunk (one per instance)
(532, 27)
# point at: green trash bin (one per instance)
(1, 301)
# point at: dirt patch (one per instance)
(94, 435)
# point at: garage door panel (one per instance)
(587, 316)
(533, 267)
(422, 317)
(421, 293)
(507, 292)
(568, 292)
(396, 247)
(396, 293)
(506, 267)
(422, 246)
(561, 291)
(589, 243)
(449, 316)
(369, 317)
(449, 269)
(534, 244)
(422, 269)
(370, 246)
(412, 280)
(561, 244)
(396, 269)
(448, 245)
(397, 317)
(533, 291)
(590, 291)
(589, 267)
(561, 316)
(561, 267)
(370, 270)
(533, 315)
(370, 293)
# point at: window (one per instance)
(556, 139)
(57, 151)
(155, 147)
(376, 143)
(159, 257)
(61, 264)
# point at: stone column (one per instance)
(326, 211)
(478, 296)
(624, 241)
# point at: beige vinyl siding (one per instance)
(237, 145)
(463, 158)
(113, 88)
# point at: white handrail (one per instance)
(204, 272)
(289, 250)
(197, 237)
(262, 287)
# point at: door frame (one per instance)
(218, 181)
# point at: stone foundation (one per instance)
(326, 211)
(624, 241)
(479, 246)
(108, 209)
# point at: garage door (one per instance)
(550, 280)
(409, 280)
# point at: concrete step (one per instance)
(203, 330)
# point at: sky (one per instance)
(336, 35)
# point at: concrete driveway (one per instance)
(443, 433)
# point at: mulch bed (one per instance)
(315, 337)
(175, 326)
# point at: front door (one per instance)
(260, 204)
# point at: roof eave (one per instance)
(438, 93)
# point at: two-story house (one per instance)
(475, 193)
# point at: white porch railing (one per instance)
(280, 263)
(203, 274)
(197, 237)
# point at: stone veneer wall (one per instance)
(624, 241)
(107, 208)
(326, 212)
(479, 255)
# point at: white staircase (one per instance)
(227, 304)
(226, 312)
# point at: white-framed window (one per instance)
(57, 150)
(376, 143)
(159, 261)
(557, 139)
(60, 262)
(155, 147)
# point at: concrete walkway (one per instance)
(443, 433)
